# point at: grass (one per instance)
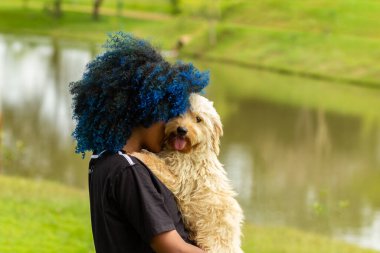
(333, 56)
(286, 240)
(353, 18)
(334, 39)
(77, 25)
(289, 90)
(43, 217)
(40, 216)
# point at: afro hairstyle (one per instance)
(127, 86)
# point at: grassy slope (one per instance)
(48, 217)
(290, 90)
(77, 24)
(42, 217)
(337, 39)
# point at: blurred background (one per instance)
(296, 82)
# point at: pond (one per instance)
(301, 153)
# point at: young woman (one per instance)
(120, 106)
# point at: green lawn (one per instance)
(335, 39)
(76, 24)
(40, 216)
(337, 57)
(338, 40)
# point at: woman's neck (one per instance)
(134, 143)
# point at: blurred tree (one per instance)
(175, 6)
(95, 13)
(213, 16)
(119, 7)
(57, 10)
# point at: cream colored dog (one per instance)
(189, 167)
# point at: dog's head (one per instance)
(199, 129)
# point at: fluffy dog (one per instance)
(189, 167)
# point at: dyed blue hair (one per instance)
(127, 86)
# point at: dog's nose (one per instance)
(182, 131)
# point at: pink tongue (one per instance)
(179, 143)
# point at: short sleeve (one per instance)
(142, 204)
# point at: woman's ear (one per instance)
(217, 133)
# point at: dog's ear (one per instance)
(218, 132)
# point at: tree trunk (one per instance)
(95, 13)
(175, 7)
(214, 17)
(57, 11)
(119, 8)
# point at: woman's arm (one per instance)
(172, 242)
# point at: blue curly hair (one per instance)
(129, 85)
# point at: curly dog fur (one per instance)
(189, 167)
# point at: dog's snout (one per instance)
(182, 131)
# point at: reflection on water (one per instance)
(36, 107)
(314, 169)
(241, 170)
(310, 169)
(369, 234)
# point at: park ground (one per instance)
(41, 216)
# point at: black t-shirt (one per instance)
(129, 205)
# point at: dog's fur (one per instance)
(198, 180)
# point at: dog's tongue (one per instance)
(179, 143)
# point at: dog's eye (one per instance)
(198, 119)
